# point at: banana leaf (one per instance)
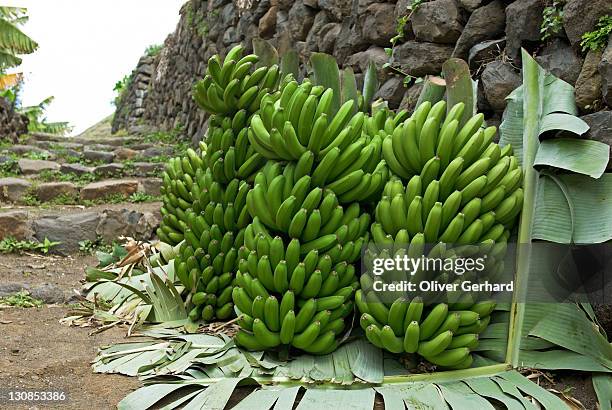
(459, 87)
(267, 54)
(586, 157)
(574, 208)
(370, 86)
(326, 73)
(349, 88)
(557, 208)
(290, 63)
(602, 384)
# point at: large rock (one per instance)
(317, 32)
(437, 21)
(359, 61)
(26, 149)
(67, 229)
(102, 189)
(267, 24)
(14, 224)
(559, 58)
(328, 35)
(125, 153)
(98, 156)
(152, 186)
(49, 293)
(125, 222)
(338, 9)
(419, 59)
(392, 91)
(378, 28)
(76, 169)
(580, 16)
(485, 23)
(588, 84)
(498, 80)
(13, 189)
(485, 52)
(300, 20)
(148, 168)
(51, 190)
(110, 170)
(523, 21)
(36, 166)
(600, 126)
(605, 70)
(411, 97)
(470, 5)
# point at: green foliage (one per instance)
(153, 50)
(13, 42)
(10, 244)
(88, 246)
(121, 88)
(22, 300)
(139, 197)
(552, 21)
(38, 122)
(597, 39)
(403, 20)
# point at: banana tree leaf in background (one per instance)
(602, 384)
(433, 90)
(574, 208)
(557, 208)
(349, 88)
(267, 54)
(586, 157)
(370, 86)
(459, 87)
(327, 74)
(290, 63)
(556, 110)
(509, 388)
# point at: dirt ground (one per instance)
(37, 353)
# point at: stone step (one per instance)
(73, 224)
(33, 167)
(110, 140)
(20, 191)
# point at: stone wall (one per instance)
(487, 34)
(12, 124)
(129, 110)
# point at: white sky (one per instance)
(85, 47)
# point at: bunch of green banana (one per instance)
(179, 182)
(208, 258)
(288, 203)
(234, 84)
(336, 150)
(444, 335)
(296, 275)
(229, 153)
(453, 186)
(291, 294)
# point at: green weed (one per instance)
(10, 244)
(597, 39)
(22, 300)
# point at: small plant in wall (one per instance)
(399, 36)
(552, 20)
(597, 39)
